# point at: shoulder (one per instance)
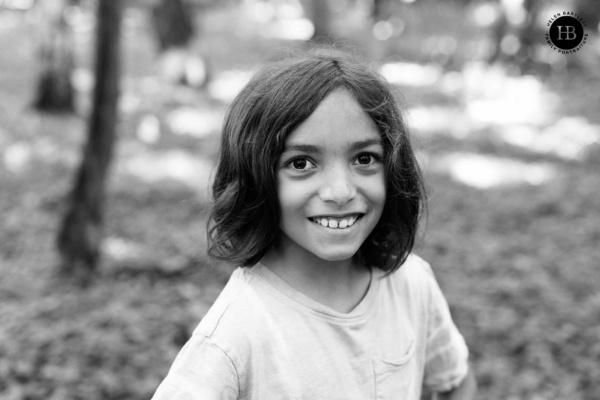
(201, 370)
(415, 274)
(417, 265)
(407, 291)
(238, 301)
(230, 298)
(238, 318)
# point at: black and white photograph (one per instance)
(299, 199)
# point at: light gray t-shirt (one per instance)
(262, 339)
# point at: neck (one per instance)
(294, 261)
(340, 284)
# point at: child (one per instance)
(317, 197)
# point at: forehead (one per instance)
(337, 121)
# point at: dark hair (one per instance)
(244, 222)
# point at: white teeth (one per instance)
(335, 223)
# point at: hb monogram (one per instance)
(569, 32)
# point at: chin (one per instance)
(336, 255)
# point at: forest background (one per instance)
(508, 133)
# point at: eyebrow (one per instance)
(308, 148)
(365, 143)
(303, 148)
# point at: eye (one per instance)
(301, 164)
(364, 159)
(367, 159)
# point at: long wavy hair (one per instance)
(244, 221)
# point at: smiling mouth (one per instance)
(337, 222)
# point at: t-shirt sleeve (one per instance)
(446, 362)
(202, 370)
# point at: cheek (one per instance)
(291, 198)
(375, 190)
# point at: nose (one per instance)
(338, 186)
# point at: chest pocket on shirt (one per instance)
(394, 378)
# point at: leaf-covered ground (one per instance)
(513, 229)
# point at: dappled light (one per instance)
(569, 137)
(17, 4)
(493, 97)
(226, 85)
(17, 156)
(148, 129)
(486, 13)
(411, 74)
(292, 29)
(177, 165)
(284, 20)
(178, 62)
(120, 249)
(485, 171)
(439, 120)
(83, 80)
(195, 122)
(383, 30)
(517, 110)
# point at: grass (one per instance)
(518, 263)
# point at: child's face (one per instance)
(331, 180)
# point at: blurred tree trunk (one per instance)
(319, 13)
(528, 34)
(499, 30)
(54, 90)
(173, 24)
(174, 27)
(380, 11)
(80, 236)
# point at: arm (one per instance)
(447, 371)
(201, 371)
(465, 391)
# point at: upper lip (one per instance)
(337, 215)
